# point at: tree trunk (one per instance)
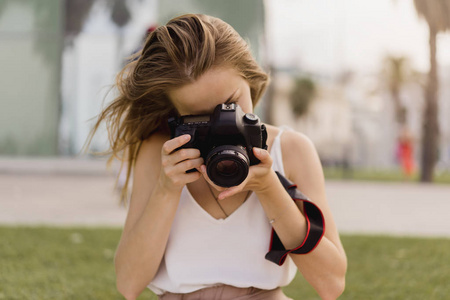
(400, 109)
(430, 129)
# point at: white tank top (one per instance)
(203, 251)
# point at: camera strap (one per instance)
(315, 226)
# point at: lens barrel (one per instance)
(227, 165)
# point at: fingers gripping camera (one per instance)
(225, 139)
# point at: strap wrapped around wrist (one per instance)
(315, 227)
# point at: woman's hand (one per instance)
(258, 178)
(174, 164)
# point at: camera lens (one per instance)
(227, 165)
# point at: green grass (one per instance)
(77, 263)
(381, 175)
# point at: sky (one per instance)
(328, 36)
(334, 35)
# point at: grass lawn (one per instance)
(77, 263)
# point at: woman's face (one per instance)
(216, 86)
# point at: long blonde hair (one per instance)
(173, 55)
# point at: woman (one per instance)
(185, 237)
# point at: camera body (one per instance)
(225, 139)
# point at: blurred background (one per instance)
(367, 81)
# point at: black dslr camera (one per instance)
(225, 139)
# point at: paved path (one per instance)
(66, 193)
(390, 208)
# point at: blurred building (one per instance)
(354, 123)
(31, 44)
(444, 113)
(90, 63)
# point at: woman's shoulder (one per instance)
(155, 140)
(152, 145)
(296, 147)
(290, 138)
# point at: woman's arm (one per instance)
(324, 267)
(159, 176)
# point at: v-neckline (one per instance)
(250, 197)
(220, 220)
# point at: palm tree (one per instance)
(396, 72)
(75, 14)
(437, 15)
(302, 95)
(77, 11)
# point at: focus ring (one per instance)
(233, 157)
